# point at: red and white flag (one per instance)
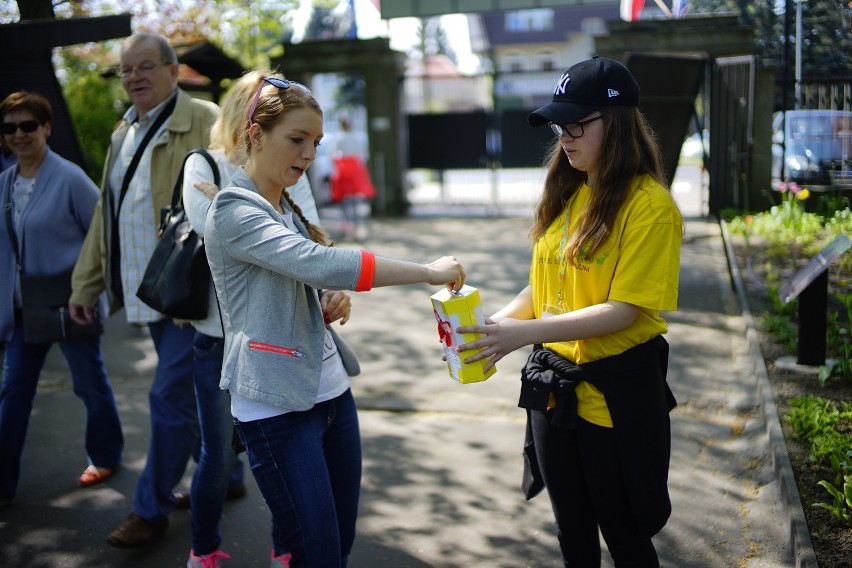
(630, 9)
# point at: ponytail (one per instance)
(316, 232)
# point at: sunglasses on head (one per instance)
(27, 126)
(282, 84)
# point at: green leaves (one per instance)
(828, 429)
(841, 507)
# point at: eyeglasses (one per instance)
(27, 126)
(575, 129)
(282, 84)
(143, 69)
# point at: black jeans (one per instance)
(586, 487)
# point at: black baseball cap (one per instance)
(586, 87)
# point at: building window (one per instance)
(593, 26)
(537, 20)
(546, 60)
(514, 62)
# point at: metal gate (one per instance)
(731, 132)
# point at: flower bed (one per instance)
(815, 409)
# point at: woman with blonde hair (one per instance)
(287, 369)
(218, 475)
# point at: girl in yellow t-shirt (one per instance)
(606, 257)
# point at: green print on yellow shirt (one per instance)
(637, 265)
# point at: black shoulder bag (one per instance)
(44, 300)
(177, 279)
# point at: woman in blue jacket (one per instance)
(287, 370)
(48, 203)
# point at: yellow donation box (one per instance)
(453, 310)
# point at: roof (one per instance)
(210, 61)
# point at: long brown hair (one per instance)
(629, 150)
(272, 106)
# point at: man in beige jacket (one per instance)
(116, 251)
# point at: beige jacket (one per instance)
(187, 129)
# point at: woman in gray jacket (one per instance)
(288, 372)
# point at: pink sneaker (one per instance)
(206, 561)
(282, 561)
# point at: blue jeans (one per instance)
(174, 420)
(21, 370)
(308, 467)
(217, 458)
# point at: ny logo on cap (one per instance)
(612, 93)
(562, 85)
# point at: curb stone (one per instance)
(799, 544)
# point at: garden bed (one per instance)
(762, 266)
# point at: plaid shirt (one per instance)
(137, 234)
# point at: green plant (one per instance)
(831, 203)
(840, 490)
(840, 224)
(823, 425)
(839, 344)
(788, 221)
(779, 323)
(782, 328)
(809, 416)
(94, 103)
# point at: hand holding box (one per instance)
(453, 310)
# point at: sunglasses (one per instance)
(282, 84)
(575, 129)
(27, 126)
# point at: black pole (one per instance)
(813, 306)
(785, 80)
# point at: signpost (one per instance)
(810, 285)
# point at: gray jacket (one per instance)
(268, 281)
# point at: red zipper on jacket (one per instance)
(275, 349)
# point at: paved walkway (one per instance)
(442, 461)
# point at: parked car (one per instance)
(818, 147)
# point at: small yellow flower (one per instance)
(803, 194)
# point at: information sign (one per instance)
(816, 266)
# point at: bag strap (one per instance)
(114, 209)
(13, 238)
(137, 156)
(177, 191)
